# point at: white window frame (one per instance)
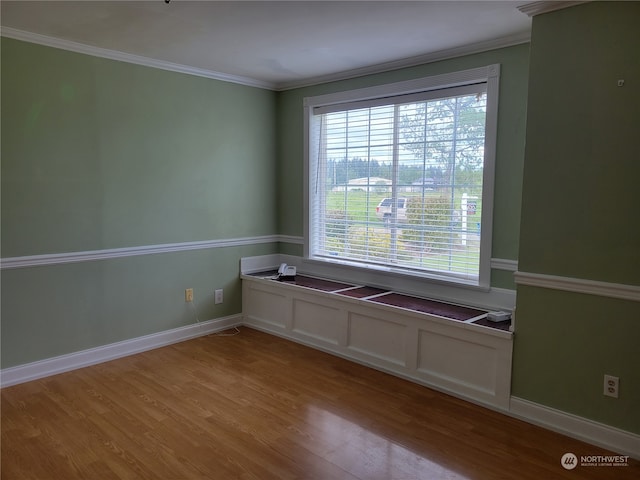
(489, 74)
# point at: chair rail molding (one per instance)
(579, 285)
(92, 255)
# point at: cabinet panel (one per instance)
(378, 338)
(458, 360)
(454, 355)
(266, 305)
(318, 321)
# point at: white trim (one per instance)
(265, 263)
(72, 46)
(579, 285)
(405, 87)
(488, 173)
(537, 8)
(504, 264)
(291, 239)
(72, 361)
(92, 255)
(369, 363)
(489, 74)
(479, 47)
(261, 263)
(491, 299)
(617, 440)
(611, 438)
(595, 433)
(77, 47)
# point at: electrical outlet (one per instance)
(219, 296)
(611, 386)
(188, 295)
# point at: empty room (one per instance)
(319, 240)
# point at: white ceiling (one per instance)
(275, 44)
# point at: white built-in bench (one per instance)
(449, 347)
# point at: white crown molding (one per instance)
(409, 62)
(579, 285)
(595, 433)
(504, 264)
(536, 8)
(93, 255)
(77, 47)
(65, 363)
(72, 46)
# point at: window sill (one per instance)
(401, 272)
(390, 298)
(475, 296)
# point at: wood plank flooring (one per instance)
(254, 406)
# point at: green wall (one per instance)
(579, 214)
(59, 309)
(104, 154)
(100, 154)
(510, 146)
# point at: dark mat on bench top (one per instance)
(424, 305)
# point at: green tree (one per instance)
(448, 134)
(428, 221)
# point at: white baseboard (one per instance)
(614, 439)
(64, 363)
(605, 436)
(318, 345)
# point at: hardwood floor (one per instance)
(254, 406)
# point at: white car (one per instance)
(383, 210)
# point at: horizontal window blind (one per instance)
(475, 88)
(397, 182)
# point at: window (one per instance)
(400, 177)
